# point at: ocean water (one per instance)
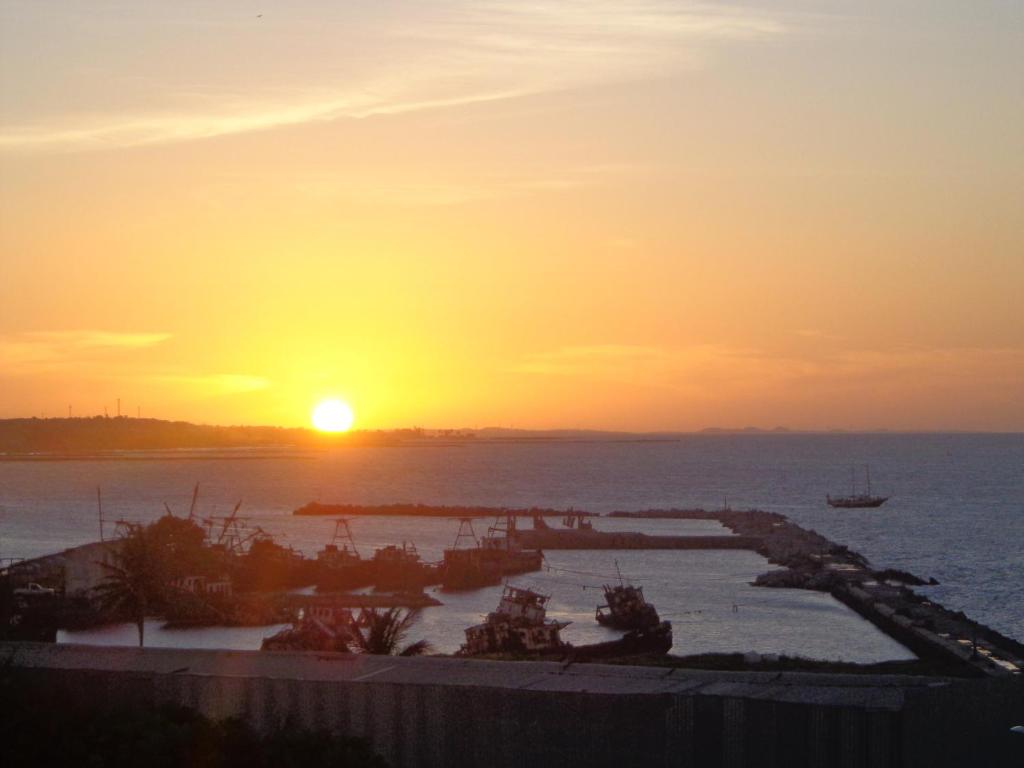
(957, 513)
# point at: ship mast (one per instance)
(343, 534)
(99, 510)
(192, 506)
(465, 532)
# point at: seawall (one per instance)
(465, 712)
(540, 539)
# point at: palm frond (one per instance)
(419, 648)
(380, 631)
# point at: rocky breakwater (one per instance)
(949, 639)
(572, 539)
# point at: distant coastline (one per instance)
(104, 437)
(121, 438)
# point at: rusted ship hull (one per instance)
(338, 579)
(389, 576)
(653, 640)
(474, 568)
(626, 608)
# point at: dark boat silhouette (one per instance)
(857, 500)
(626, 608)
(490, 559)
(520, 626)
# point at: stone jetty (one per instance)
(883, 597)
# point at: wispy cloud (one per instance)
(110, 132)
(43, 350)
(111, 356)
(422, 57)
(96, 339)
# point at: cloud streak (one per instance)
(448, 54)
(48, 350)
(104, 355)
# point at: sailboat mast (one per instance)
(867, 472)
(99, 510)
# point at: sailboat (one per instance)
(857, 500)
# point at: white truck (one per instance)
(35, 590)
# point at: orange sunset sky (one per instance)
(657, 215)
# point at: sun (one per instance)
(333, 416)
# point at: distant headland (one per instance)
(102, 434)
(73, 437)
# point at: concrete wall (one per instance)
(461, 712)
(78, 569)
(83, 571)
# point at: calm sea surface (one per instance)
(957, 514)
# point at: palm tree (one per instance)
(135, 582)
(380, 631)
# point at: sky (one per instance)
(620, 214)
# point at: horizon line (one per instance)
(709, 430)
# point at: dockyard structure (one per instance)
(329, 613)
(75, 572)
(200, 585)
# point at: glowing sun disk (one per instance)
(333, 416)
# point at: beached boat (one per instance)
(656, 639)
(626, 608)
(518, 625)
(319, 627)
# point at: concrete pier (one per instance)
(812, 561)
(555, 539)
(465, 712)
(809, 560)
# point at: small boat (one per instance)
(519, 625)
(341, 552)
(626, 608)
(864, 500)
(577, 521)
(320, 627)
(488, 560)
(655, 639)
(401, 567)
(339, 564)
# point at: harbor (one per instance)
(783, 640)
(395, 576)
(533, 633)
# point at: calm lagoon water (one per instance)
(957, 514)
